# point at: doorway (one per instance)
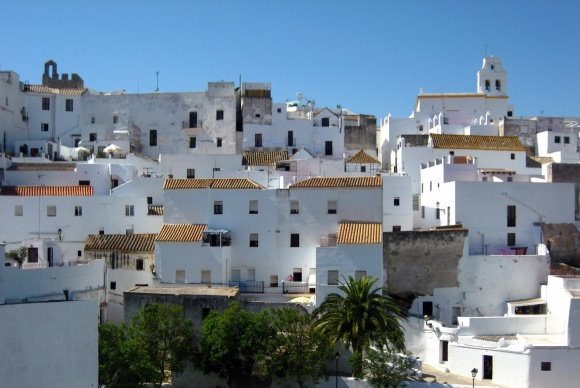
(50, 256)
(488, 367)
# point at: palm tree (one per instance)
(360, 316)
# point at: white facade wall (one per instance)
(561, 146)
(169, 114)
(397, 202)
(191, 258)
(12, 126)
(125, 279)
(52, 345)
(205, 166)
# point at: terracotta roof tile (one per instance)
(181, 233)
(47, 191)
(362, 157)
(43, 167)
(154, 210)
(477, 142)
(121, 243)
(48, 90)
(231, 183)
(264, 158)
(360, 233)
(374, 181)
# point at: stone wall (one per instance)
(566, 173)
(417, 262)
(563, 242)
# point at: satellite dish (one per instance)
(299, 96)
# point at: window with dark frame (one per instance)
(511, 216)
(294, 240)
(115, 119)
(152, 138)
(511, 239)
(332, 206)
(45, 103)
(512, 156)
(44, 127)
(325, 122)
(190, 173)
(332, 277)
(92, 136)
(78, 211)
(218, 207)
(328, 148)
(396, 201)
(129, 210)
(219, 114)
(546, 366)
(139, 265)
(566, 140)
(258, 140)
(68, 105)
(112, 285)
(193, 120)
(253, 240)
(396, 228)
(149, 200)
(253, 207)
(218, 142)
(51, 211)
(294, 207)
(192, 142)
(557, 140)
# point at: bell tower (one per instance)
(492, 78)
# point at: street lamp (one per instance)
(336, 358)
(473, 374)
(59, 231)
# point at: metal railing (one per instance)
(249, 287)
(289, 287)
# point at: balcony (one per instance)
(249, 286)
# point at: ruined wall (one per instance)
(566, 173)
(361, 136)
(417, 262)
(563, 242)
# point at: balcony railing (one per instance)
(289, 287)
(249, 287)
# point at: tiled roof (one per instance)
(181, 232)
(154, 210)
(47, 191)
(373, 181)
(121, 242)
(42, 167)
(360, 233)
(264, 158)
(362, 157)
(229, 183)
(48, 90)
(477, 142)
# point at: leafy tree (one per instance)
(386, 367)
(231, 342)
(360, 316)
(19, 256)
(156, 343)
(297, 351)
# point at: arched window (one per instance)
(487, 85)
(498, 85)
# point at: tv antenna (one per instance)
(157, 82)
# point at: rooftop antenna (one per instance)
(157, 84)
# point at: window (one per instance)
(45, 103)
(112, 285)
(511, 215)
(430, 186)
(180, 276)
(193, 120)
(498, 85)
(191, 173)
(257, 115)
(511, 239)
(396, 201)
(546, 366)
(219, 114)
(332, 277)
(279, 110)
(487, 85)
(93, 120)
(484, 179)
(115, 119)
(251, 274)
(218, 141)
(206, 276)
(428, 309)
(363, 168)
(51, 211)
(557, 140)
(33, 255)
(92, 136)
(68, 105)
(328, 148)
(512, 156)
(139, 265)
(44, 127)
(451, 153)
(294, 207)
(422, 211)
(290, 138)
(78, 211)
(416, 201)
(253, 207)
(258, 140)
(566, 140)
(79, 253)
(18, 211)
(218, 207)
(396, 228)
(149, 200)
(273, 280)
(297, 274)
(332, 207)
(152, 137)
(325, 122)
(359, 274)
(254, 240)
(129, 210)
(192, 142)
(84, 183)
(437, 213)
(420, 128)
(510, 113)
(510, 179)
(294, 240)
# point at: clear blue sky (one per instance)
(369, 56)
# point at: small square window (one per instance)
(294, 240)
(191, 173)
(253, 207)
(325, 122)
(557, 140)
(192, 142)
(115, 119)
(218, 207)
(511, 239)
(219, 114)
(273, 280)
(332, 207)
(279, 110)
(218, 141)
(93, 120)
(44, 127)
(257, 115)
(363, 168)
(92, 136)
(358, 275)
(112, 285)
(512, 156)
(18, 211)
(332, 277)
(149, 200)
(51, 211)
(510, 179)
(129, 210)
(254, 240)
(69, 105)
(78, 211)
(294, 207)
(566, 140)
(45, 103)
(396, 201)
(79, 253)
(139, 264)
(510, 113)
(546, 366)
(396, 228)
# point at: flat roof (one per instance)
(193, 289)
